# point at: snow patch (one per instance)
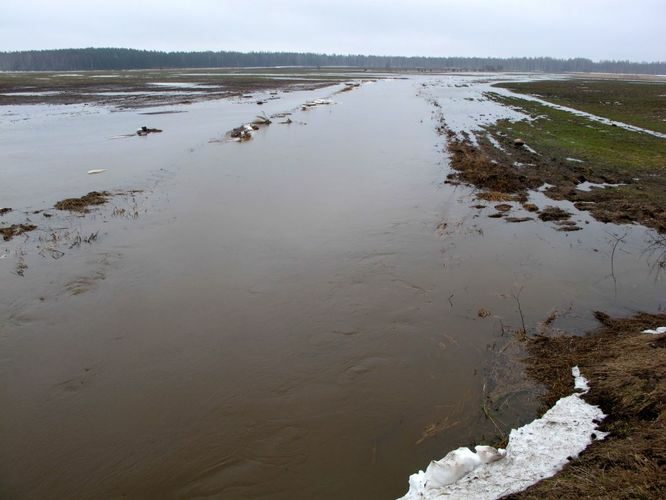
(588, 186)
(535, 451)
(580, 382)
(658, 331)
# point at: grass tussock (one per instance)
(83, 203)
(9, 232)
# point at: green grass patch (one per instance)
(642, 104)
(606, 154)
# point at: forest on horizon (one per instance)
(119, 59)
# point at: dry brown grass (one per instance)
(627, 374)
(496, 196)
(554, 214)
(81, 204)
(9, 232)
(474, 166)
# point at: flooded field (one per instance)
(313, 313)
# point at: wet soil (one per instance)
(627, 374)
(149, 88)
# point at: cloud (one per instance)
(599, 29)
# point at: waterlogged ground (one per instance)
(309, 314)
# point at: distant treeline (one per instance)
(111, 58)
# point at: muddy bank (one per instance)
(626, 370)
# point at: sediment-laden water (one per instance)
(296, 316)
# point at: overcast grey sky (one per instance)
(598, 29)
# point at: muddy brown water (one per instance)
(280, 318)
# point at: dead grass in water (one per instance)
(9, 232)
(81, 204)
(627, 374)
(477, 167)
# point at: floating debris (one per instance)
(317, 102)
(262, 120)
(244, 132)
(96, 171)
(143, 131)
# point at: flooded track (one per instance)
(282, 318)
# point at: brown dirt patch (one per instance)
(83, 203)
(627, 374)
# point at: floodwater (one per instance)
(281, 318)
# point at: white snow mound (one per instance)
(535, 451)
(659, 330)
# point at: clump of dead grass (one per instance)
(497, 196)
(474, 166)
(554, 214)
(83, 203)
(9, 232)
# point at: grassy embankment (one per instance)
(569, 150)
